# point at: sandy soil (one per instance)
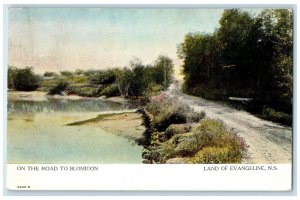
(128, 124)
(268, 142)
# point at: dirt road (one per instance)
(268, 142)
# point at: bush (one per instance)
(152, 90)
(49, 74)
(66, 73)
(208, 93)
(78, 79)
(25, 79)
(84, 91)
(210, 142)
(175, 129)
(167, 111)
(79, 71)
(273, 115)
(110, 91)
(59, 88)
(216, 155)
(102, 77)
(186, 144)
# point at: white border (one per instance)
(219, 2)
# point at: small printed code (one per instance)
(22, 186)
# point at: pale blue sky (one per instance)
(69, 38)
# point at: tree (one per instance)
(277, 28)
(123, 80)
(103, 77)
(11, 77)
(162, 72)
(25, 79)
(246, 57)
(200, 52)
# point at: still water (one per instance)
(37, 133)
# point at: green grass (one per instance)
(208, 142)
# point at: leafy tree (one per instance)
(246, 57)
(123, 81)
(162, 71)
(11, 77)
(24, 79)
(103, 77)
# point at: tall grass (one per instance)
(166, 111)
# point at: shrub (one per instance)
(110, 91)
(78, 79)
(186, 144)
(86, 92)
(216, 155)
(66, 73)
(207, 92)
(175, 129)
(59, 88)
(79, 71)
(152, 90)
(49, 74)
(102, 77)
(273, 115)
(25, 79)
(195, 116)
(158, 154)
(210, 142)
(167, 111)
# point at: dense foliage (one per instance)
(22, 79)
(140, 80)
(135, 80)
(59, 88)
(245, 57)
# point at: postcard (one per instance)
(149, 98)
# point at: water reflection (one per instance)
(37, 133)
(66, 105)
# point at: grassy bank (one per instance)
(177, 134)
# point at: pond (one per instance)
(37, 133)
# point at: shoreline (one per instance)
(129, 123)
(126, 123)
(42, 96)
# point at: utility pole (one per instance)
(165, 74)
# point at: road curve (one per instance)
(268, 142)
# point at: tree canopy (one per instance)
(247, 56)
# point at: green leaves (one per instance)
(246, 55)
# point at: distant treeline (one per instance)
(135, 80)
(248, 57)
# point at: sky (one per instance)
(56, 39)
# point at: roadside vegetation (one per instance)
(246, 57)
(175, 133)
